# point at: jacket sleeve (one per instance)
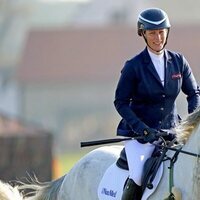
(123, 96)
(190, 87)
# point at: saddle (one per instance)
(151, 166)
(122, 160)
(114, 179)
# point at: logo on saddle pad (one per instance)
(108, 192)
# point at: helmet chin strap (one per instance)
(160, 51)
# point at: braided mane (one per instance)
(187, 126)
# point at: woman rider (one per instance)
(146, 93)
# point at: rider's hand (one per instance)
(170, 134)
(150, 135)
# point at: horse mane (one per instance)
(39, 190)
(187, 126)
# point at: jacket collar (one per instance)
(147, 59)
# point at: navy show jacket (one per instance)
(142, 100)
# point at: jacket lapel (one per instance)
(168, 63)
(150, 67)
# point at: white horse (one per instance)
(82, 182)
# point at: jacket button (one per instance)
(163, 95)
(161, 108)
(160, 122)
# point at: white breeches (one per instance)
(137, 154)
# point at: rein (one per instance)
(178, 150)
(171, 172)
(172, 160)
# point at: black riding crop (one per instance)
(109, 141)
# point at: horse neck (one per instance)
(193, 144)
(190, 165)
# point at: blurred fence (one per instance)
(25, 152)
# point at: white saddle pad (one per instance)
(112, 184)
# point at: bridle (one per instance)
(173, 160)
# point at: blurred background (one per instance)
(60, 61)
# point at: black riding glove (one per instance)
(170, 137)
(170, 134)
(150, 135)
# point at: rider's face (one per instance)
(156, 39)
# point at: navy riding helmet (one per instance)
(151, 19)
